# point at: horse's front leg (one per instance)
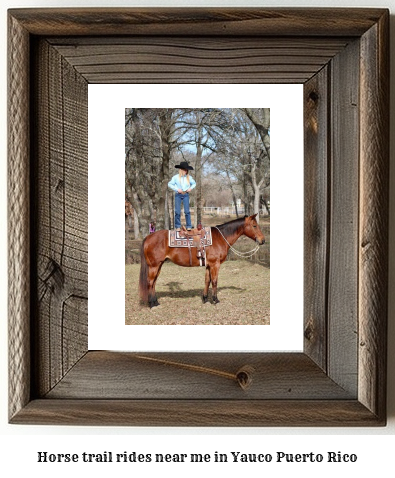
(206, 285)
(214, 280)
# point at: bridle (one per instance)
(244, 255)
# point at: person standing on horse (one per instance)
(182, 183)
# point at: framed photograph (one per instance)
(251, 280)
(340, 60)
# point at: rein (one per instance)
(245, 255)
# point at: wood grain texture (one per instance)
(18, 216)
(345, 306)
(202, 413)
(61, 207)
(373, 228)
(224, 60)
(196, 376)
(198, 21)
(316, 214)
(344, 212)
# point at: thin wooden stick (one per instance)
(242, 376)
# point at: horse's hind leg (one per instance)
(206, 285)
(153, 274)
(155, 299)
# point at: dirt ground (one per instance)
(243, 291)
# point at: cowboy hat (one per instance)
(184, 165)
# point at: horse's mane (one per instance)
(230, 227)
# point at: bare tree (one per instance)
(243, 154)
(151, 137)
(202, 130)
(254, 143)
(139, 172)
(235, 142)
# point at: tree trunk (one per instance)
(144, 221)
(198, 179)
(257, 189)
(195, 210)
(173, 209)
(167, 226)
(266, 206)
(128, 225)
(195, 205)
(257, 196)
(169, 210)
(245, 196)
(163, 179)
(233, 192)
(141, 211)
(136, 226)
(132, 198)
(198, 173)
(235, 203)
(127, 234)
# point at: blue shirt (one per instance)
(175, 184)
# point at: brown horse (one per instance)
(155, 250)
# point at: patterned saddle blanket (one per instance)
(178, 240)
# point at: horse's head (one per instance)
(252, 229)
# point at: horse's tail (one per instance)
(143, 282)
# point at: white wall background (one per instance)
(20, 444)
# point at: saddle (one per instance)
(196, 236)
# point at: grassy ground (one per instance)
(243, 291)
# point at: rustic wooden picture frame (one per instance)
(341, 57)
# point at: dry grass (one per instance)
(243, 291)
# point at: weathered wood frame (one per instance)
(342, 57)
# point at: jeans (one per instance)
(177, 213)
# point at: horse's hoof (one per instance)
(154, 304)
(205, 299)
(215, 300)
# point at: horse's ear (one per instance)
(253, 216)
